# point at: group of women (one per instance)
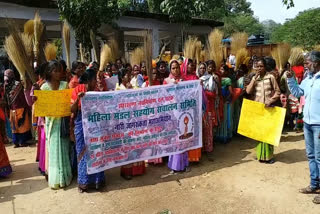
(61, 149)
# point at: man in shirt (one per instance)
(310, 88)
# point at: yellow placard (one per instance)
(53, 103)
(261, 123)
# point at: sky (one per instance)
(274, 9)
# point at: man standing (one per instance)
(310, 88)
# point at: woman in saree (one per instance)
(20, 112)
(138, 168)
(38, 122)
(265, 89)
(225, 130)
(178, 162)
(189, 73)
(155, 81)
(209, 121)
(5, 167)
(76, 71)
(87, 82)
(58, 145)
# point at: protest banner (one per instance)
(122, 127)
(53, 103)
(261, 123)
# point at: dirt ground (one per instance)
(234, 183)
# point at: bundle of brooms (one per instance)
(137, 56)
(38, 30)
(105, 56)
(241, 57)
(238, 41)
(215, 46)
(18, 46)
(114, 50)
(281, 55)
(192, 49)
(296, 57)
(66, 39)
(50, 52)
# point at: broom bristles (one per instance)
(317, 48)
(66, 39)
(284, 54)
(198, 49)
(137, 56)
(238, 41)
(114, 50)
(105, 56)
(215, 46)
(29, 27)
(28, 45)
(50, 52)
(296, 57)
(241, 57)
(176, 57)
(38, 30)
(81, 53)
(15, 48)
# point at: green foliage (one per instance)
(242, 23)
(86, 15)
(269, 27)
(288, 3)
(300, 31)
(58, 44)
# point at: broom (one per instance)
(198, 49)
(28, 45)
(38, 30)
(241, 56)
(15, 48)
(189, 48)
(50, 52)
(105, 56)
(137, 56)
(296, 57)
(81, 53)
(316, 47)
(28, 27)
(284, 55)
(66, 39)
(94, 44)
(114, 50)
(215, 46)
(238, 41)
(148, 54)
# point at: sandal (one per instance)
(272, 161)
(126, 177)
(309, 190)
(316, 199)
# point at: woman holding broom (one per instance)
(264, 89)
(210, 120)
(189, 73)
(87, 82)
(178, 162)
(20, 112)
(58, 146)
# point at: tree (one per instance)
(242, 23)
(288, 3)
(269, 26)
(300, 31)
(86, 15)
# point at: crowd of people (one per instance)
(61, 150)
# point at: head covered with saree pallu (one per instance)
(184, 70)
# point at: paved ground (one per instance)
(233, 183)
